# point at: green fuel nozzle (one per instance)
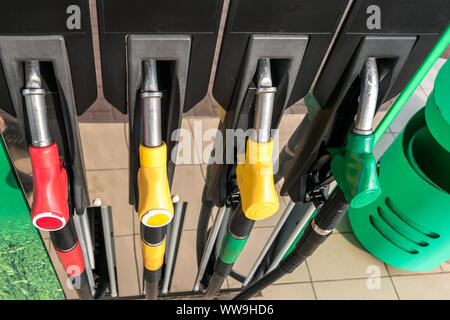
(355, 170)
(354, 166)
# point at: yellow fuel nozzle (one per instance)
(255, 174)
(155, 207)
(153, 255)
(255, 181)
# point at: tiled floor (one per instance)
(340, 269)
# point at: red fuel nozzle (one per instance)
(72, 261)
(50, 210)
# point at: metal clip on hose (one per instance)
(50, 210)
(254, 173)
(329, 215)
(314, 235)
(155, 207)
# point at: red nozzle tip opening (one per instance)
(48, 221)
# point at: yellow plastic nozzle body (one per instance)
(255, 181)
(155, 207)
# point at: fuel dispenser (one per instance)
(367, 66)
(47, 77)
(156, 62)
(345, 58)
(270, 54)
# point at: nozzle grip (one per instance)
(153, 255)
(255, 181)
(155, 207)
(355, 169)
(72, 260)
(50, 211)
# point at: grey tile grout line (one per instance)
(320, 281)
(201, 172)
(125, 133)
(389, 275)
(265, 227)
(294, 282)
(425, 93)
(106, 169)
(134, 250)
(228, 284)
(423, 90)
(310, 279)
(392, 281)
(192, 164)
(126, 235)
(135, 234)
(390, 131)
(420, 273)
(359, 278)
(342, 232)
(199, 156)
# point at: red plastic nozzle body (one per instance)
(50, 211)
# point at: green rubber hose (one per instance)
(418, 76)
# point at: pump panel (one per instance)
(425, 20)
(195, 18)
(68, 18)
(317, 19)
(399, 34)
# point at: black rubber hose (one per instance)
(214, 286)
(101, 288)
(65, 238)
(283, 157)
(151, 290)
(287, 153)
(237, 276)
(221, 271)
(82, 287)
(85, 293)
(239, 227)
(152, 278)
(260, 284)
(332, 212)
(326, 219)
(265, 263)
(202, 225)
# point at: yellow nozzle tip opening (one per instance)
(157, 218)
(261, 210)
